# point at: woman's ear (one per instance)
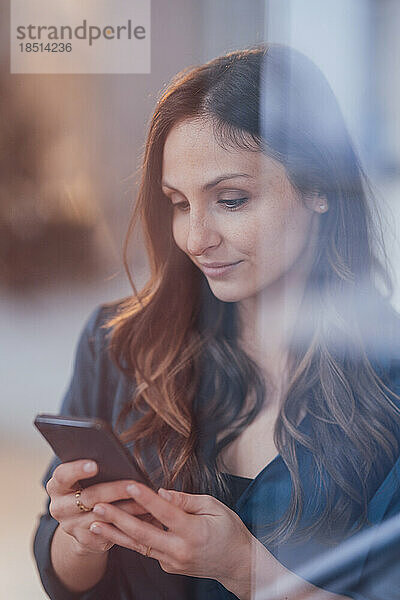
(317, 203)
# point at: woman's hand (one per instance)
(203, 537)
(61, 489)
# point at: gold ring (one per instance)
(148, 551)
(79, 504)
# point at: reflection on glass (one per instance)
(263, 351)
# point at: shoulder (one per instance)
(96, 330)
(93, 359)
(382, 334)
(97, 384)
(95, 327)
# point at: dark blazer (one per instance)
(98, 389)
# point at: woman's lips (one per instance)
(220, 270)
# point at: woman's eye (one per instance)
(232, 203)
(183, 206)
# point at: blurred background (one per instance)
(69, 166)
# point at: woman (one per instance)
(255, 373)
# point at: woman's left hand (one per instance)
(203, 537)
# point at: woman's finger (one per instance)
(164, 511)
(66, 475)
(193, 503)
(108, 492)
(116, 536)
(65, 505)
(135, 528)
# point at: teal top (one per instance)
(369, 570)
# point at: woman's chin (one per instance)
(226, 292)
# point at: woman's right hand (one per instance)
(63, 507)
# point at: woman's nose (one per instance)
(202, 235)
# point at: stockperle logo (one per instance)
(71, 36)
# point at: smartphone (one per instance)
(74, 438)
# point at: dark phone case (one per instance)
(74, 438)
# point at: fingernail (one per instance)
(89, 467)
(99, 510)
(165, 494)
(133, 489)
(94, 528)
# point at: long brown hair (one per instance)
(178, 342)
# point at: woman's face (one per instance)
(236, 208)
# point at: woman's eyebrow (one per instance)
(213, 182)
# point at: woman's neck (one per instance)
(266, 323)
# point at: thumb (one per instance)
(190, 503)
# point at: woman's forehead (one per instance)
(191, 149)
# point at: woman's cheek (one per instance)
(179, 232)
(269, 252)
